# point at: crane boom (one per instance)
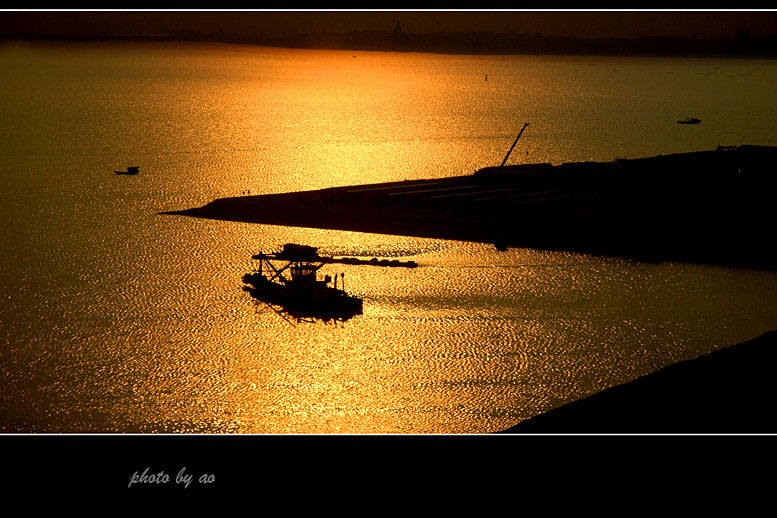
(514, 143)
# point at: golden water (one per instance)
(116, 318)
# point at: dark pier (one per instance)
(712, 207)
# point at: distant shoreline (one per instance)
(457, 43)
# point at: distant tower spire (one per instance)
(398, 28)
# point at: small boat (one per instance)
(689, 120)
(130, 170)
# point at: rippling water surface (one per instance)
(116, 318)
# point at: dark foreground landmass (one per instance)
(708, 207)
(731, 390)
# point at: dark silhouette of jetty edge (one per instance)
(708, 207)
(728, 391)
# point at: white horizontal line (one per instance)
(473, 193)
(562, 197)
(524, 195)
(434, 190)
(386, 188)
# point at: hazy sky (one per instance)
(589, 24)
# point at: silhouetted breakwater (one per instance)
(712, 207)
(727, 391)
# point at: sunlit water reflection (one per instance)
(115, 318)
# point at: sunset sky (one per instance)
(700, 24)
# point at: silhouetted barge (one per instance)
(296, 287)
(712, 207)
(301, 293)
(130, 170)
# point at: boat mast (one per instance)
(514, 143)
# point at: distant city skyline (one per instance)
(588, 24)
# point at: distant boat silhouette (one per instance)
(130, 170)
(689, 120)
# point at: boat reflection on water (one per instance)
(291, 315)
